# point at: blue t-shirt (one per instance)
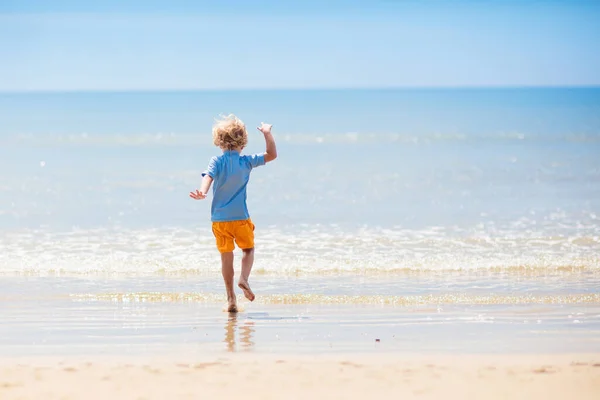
(230, 173)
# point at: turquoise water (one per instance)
(377, 180)
(479, 199)
(560, 112)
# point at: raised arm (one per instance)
(271, 151)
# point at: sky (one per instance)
(116, 45)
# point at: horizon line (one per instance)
(299, 89)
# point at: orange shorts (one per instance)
(226, 232)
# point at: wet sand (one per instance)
(68, 338)
(348, 376)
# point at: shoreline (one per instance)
(348, 376)
(137, 328)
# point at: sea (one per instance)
(393, 220)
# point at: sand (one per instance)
(251, 376)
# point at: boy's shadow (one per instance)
(246, 332)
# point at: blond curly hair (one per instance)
(229, 133)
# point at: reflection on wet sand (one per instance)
(246, 331)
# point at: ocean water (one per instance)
(386, 200)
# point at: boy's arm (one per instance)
(271, 150)
(206, 182)
(204, 187)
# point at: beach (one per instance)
(157, 345)
(295, 377)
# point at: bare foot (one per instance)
(232, 308)
(246, 288)
(232, 305)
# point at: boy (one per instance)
(229, 214)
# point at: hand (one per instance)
(197, 195)
(264, 128)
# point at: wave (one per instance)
(457, 298)
(301, 251)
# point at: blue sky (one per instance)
(159, 45)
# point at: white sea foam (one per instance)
(316, 250)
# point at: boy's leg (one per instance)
(224, 239)
(247, 262)
(227, 271)
(244, 237)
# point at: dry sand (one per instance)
(250, 376)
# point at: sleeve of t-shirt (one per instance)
(255, 160)
(212, 168)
